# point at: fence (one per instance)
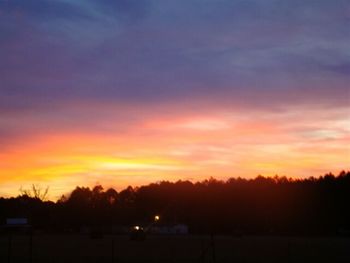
(119, 249)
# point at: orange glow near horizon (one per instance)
(183, 146)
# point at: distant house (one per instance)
(181, 229)
(178, 229)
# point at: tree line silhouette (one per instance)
(264, 205)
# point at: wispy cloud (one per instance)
(265, 81)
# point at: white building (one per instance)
(179, 229)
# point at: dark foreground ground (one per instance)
(82, 248)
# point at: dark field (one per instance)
(81, 248)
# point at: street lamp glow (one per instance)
(156, 218)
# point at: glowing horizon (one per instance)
(186, 147)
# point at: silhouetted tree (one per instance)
(264, 205)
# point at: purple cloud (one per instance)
(149, 52)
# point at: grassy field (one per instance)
(81, 248)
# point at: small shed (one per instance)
(17, 225)
(17, 221)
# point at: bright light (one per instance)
(156, 218)
(136, 227)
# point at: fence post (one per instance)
(213, 247)
(112, 249)
(288, 251)
(31, 247)
(9, 249)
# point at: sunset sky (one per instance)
(129, 92)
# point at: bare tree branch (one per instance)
(36, 191)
